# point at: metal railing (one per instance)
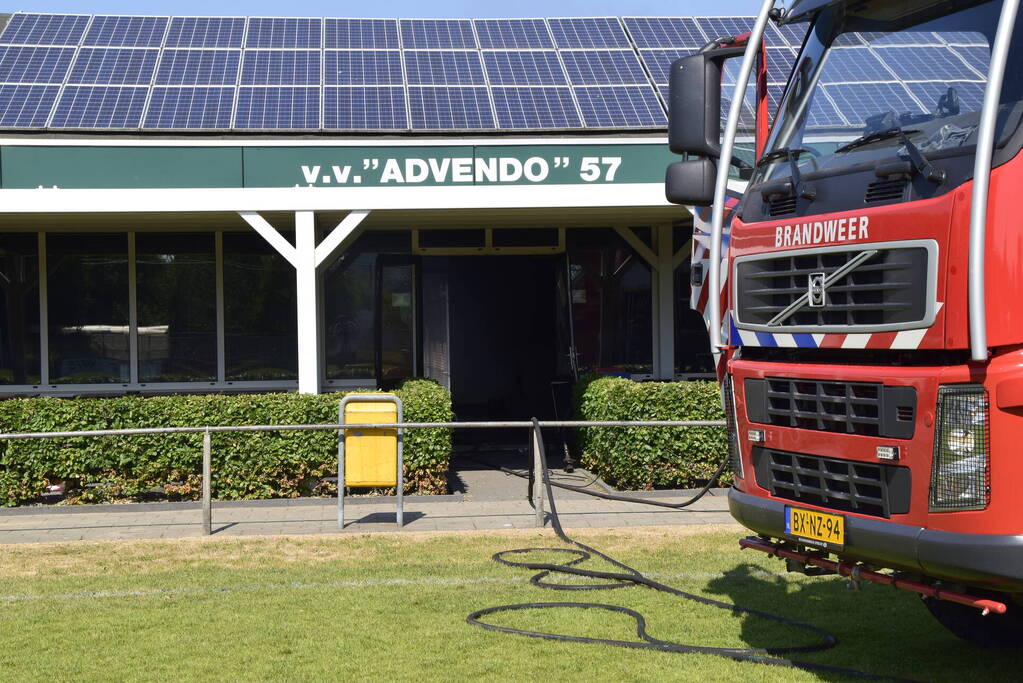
(208, 432)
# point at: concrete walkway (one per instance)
(319, 515)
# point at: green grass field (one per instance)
(394, 606)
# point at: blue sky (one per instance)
(399, 8)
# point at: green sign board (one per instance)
(475, 165)
(322, 166)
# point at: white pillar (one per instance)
(307, 296)
(665, 312)
(306, 257)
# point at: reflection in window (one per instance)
(397, 323)
(87, 297)
(177, 315)
(611, 305)
(348, 313)
(261, 329)
(19, 309)
(692, 343)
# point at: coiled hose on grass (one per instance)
(628, 576)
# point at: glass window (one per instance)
(87, 304)
(177, 307)
(397, 322)
(19, 309)
(348, 285)
(611, 304)
(261, 328)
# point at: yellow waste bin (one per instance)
(371, 455)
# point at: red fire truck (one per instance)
(870, 318)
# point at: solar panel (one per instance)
(854, 65)
(671, 32)
(368, 67)
(95, 106)
(281, 32)
(208, 108)
(205, 32)
(963, 38)
(792, 34)
(779, 66)
(432, 67)
(437, 34)
(859, 101)
(361, 33)
(521, 67)
(513, 33)
(926, 64)
(725, 27)
(822, 112)
(34, 64)
(278, 108)
(599, 32)
(728, 27)
(281, 67)
(971, 93)
(434, 108)
(604, 67)
(658, 62)
(529, 108)
(373, 108)
(977, 57)
(198, 67)
(115, 31)
(620, 106)
(875, 39)
(114, 66)
(26, 106)
(45, 29)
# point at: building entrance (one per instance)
(505, 344)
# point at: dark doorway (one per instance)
(504, 339)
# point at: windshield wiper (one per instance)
(920, 162)
(876, 136)
(782, 153)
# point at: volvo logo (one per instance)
(815, 290)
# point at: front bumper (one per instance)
(992, 561)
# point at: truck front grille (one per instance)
(862, 408)
(846, 485)
(888, 289)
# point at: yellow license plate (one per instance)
(815, 528)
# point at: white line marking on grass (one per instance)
(365, 583)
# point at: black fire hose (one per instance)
(629, 576)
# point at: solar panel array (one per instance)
(875, 73)
(336, 74)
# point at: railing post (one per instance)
(537, 479)
(207, 483)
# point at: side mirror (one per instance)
(694, 102)
(691, 182)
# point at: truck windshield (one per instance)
(878, 74)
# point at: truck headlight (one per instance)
(728, 403)
(960, 471)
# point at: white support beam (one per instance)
(307, 296)
(636, 243)
(270, 234)
(664, 365)
(340, 237)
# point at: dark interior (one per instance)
(503, 336)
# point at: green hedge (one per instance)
(647, 457)
(282, 464)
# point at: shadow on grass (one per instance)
(880, 630)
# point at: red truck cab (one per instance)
(863, 426)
